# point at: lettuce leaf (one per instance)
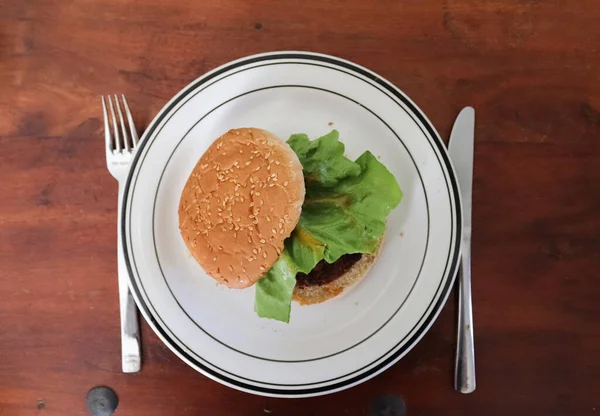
(344, 212)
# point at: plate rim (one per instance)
(428, 318)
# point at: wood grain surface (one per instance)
(531, 68)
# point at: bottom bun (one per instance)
(309, 295)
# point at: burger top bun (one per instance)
(241, 201)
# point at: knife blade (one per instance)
(460, 149)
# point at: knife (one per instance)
(461, 153)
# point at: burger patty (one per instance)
(324, 272)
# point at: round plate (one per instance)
(326, 347)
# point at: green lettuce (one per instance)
(344, 212)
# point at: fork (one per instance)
(120, 148)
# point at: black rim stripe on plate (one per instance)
(259, 357)
(242, 353)
(428, 317)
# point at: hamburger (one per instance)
(297, 219)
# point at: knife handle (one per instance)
(464, 371)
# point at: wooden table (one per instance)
(530, 68)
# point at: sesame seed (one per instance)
(280, 231)
(262, 267)
(280, 225)
(251, 228)
(274, 179)
(214, 259)
(257, 169)
(257, 193)
(249, 240)
(268, 218)
(285, 183)
(242, 199)
(262, 241)
(277, 162)
(255, 251)
(274, 231)
(247, 163)
(264, 254)
(230, 267)
(251, 203)
(271, 185)
(220, 247)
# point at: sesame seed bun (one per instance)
(241, 201)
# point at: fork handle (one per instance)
(131, 359)
(464, 371)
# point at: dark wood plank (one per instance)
(531, 70)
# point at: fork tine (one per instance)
(134, 135)
(115, 128)
(107, 137)
(125, 139)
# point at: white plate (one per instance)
(326, 347)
